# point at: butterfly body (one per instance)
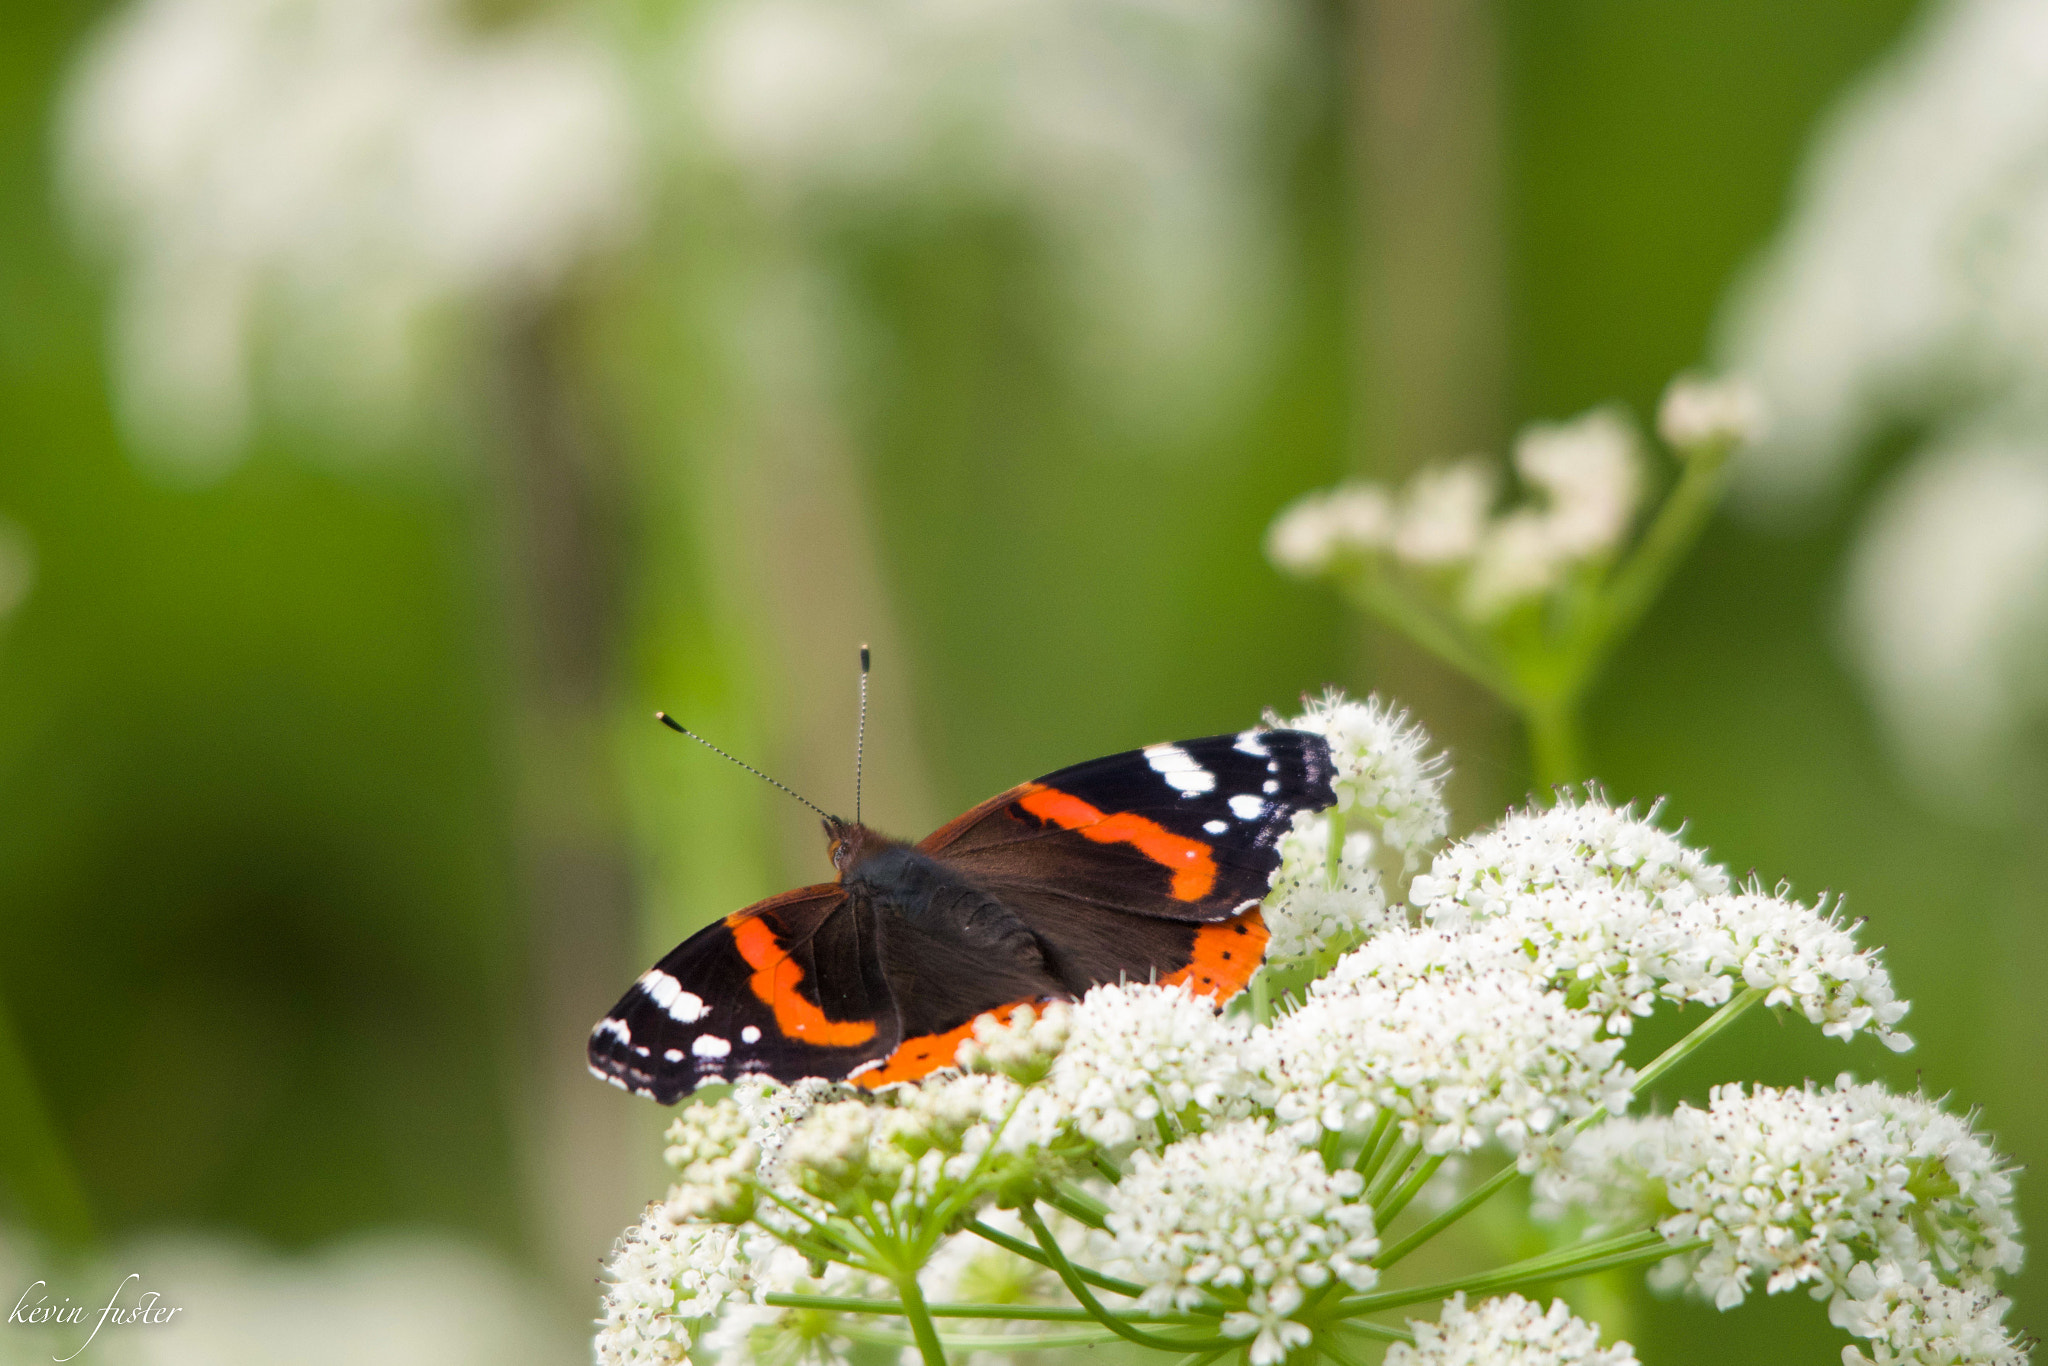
(1148, 865)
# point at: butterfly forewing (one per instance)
(790, 987)
(1186, 831)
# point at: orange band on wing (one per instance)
(927, 1053)
(775, 978)
(1225, 956)
(1193, 869)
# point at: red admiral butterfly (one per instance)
(1148, 865)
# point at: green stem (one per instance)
(1555, 750)
(1380, 1332)
(1070, 1200)
(979, 1342)
(33, 1160)
(1391, 601)
(1369, 1154)
(1630, 1250)
(1385, 1211)
(1708, 1029)
(1680, 1051)
(1033, 1313)
(1638, 581)
(1390, 1168)
(1473, 1199)
(1029, 1253)
(921, 1327)
(1086, 1299)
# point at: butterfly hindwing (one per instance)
(790, 987)
(1187, 831)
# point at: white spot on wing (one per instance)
(684, 1007)
(750, 1035)
(1216, 827)
(1272, 786)
(1246, 807)
(710, 1046)
(616, 1028)
(1182, 773)
(1248, 742)
(673, 1055)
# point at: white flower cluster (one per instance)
(1386, 772)
(1620, 914)
(668, 1275)
(1453, 1036)
(1308, 909)
(1140, 1061)
(1509, 1331)
(1587, 478)
(1699, 414)
(321, 180)
(1910, 1318)
(1803, 1186)
(1243, 1207)
(1242, 1164)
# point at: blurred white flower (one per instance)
(401, 1300)
(1509, 1331)
(1914, 270)
(1909, 292)
(1698, 413)
(295, 190)
(1443, 513)
(1242, 1208)
(1947, 611)
(1136, 134)
(1317, 528)
(1586, 480)
(1587, 476)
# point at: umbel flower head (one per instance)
(1247, 1184)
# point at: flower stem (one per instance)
(1070, 1200)
(981, 1342)
(1643, 1248)
(1638, 581)
(1680, 1051)
(1555, 750)
(1079, 1290)
(1472, 1200)
(1034, 1313)
(921, 1327)
(1020, 1248)
(1390, 1169)
(1385, 1211)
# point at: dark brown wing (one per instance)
(791, 987)
(1185, 832)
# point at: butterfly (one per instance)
(1143, 866)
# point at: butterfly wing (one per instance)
(1187, 831)
(790, 987)
(1147, 865)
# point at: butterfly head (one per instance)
(847, 842)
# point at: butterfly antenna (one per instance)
(860, 734)
(670, 722)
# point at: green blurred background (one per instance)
(330, 809)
